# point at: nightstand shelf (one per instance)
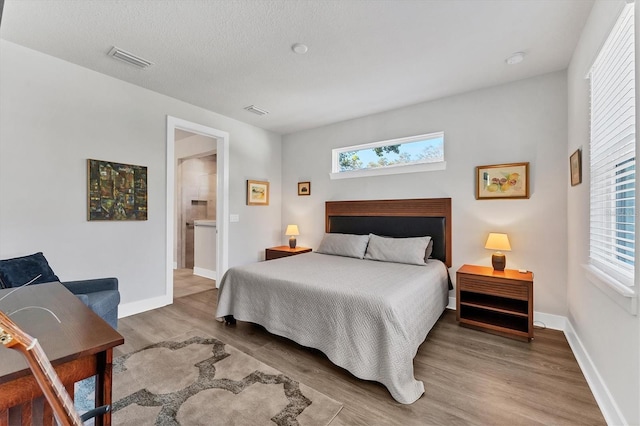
(495, 304)
(284, 251)
(499, 302)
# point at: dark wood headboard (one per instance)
(395, 218)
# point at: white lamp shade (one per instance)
(292, 230)
(498, 242)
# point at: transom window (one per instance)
(405, 155)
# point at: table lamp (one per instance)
(292, 231)
(499, 242)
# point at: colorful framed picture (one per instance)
(304, 188)
(575, 164)
(116, 191)
(257, 193)
(502, 181)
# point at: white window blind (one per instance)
(613, 153)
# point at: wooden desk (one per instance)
(80, 346)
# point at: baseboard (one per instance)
(606, 402)
(202, 272)
(554, 322)
(132, 308)
(452, 303)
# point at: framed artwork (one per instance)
(116, 191)
(257, 193)
(575, 164)
(502, 181)
(304, 188)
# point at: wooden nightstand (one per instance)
(499, 302)
(283, 251)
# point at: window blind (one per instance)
(613, 153)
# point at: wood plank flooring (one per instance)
(470, 377)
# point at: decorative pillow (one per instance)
(399, 250)
(20, 270)
(348, 245)
(427, 255)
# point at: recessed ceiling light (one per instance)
(299, 48)
(516, 58)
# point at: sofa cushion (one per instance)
(20, 270)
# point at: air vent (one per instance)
(254, 109)
(130, 58)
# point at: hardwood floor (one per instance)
(185, 283)
(470, 377)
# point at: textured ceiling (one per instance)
(365, 56)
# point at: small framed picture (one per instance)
(257, 193)
(575, 164)
(502, 181)
(304, 188)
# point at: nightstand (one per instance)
(499, 302)
(283, 251)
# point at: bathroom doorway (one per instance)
(197, 191)
(196, 199)
(202, 153)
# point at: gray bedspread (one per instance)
(368, 317)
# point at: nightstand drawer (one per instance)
(273, 254)
(495, 287)
(284, 251)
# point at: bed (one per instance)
(368, 316)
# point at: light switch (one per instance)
(234, 218)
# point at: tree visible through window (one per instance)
(420, 149)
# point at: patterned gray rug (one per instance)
(195, 380)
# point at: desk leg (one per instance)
(103, 385)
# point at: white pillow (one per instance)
(348, 245)
(399, 250)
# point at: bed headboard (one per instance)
(395, 218)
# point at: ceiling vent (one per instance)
(254, 109)
(130, 58)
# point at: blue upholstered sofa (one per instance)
(100, 295)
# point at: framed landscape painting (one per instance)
(502, 181)
(257, 193)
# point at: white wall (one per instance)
(608, 334)
(53, 116)
(522, 121)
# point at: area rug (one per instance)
(199, 380)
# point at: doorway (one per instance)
(212, 142)
(197, 202)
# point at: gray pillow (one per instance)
(427, 255)
(399, 250)
(348, 245)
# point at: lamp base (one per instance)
(292, 242)
(499, 261)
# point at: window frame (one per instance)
(387, 170)
(608, 172)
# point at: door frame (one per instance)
(222, 197)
